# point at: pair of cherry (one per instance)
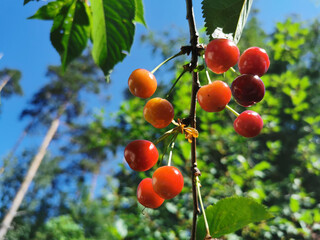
(167, 181)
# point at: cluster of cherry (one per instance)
(247, 89)
(141, 155)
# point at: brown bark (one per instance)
(192, 116)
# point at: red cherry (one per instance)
(141, 155)
(214, 96)
(147, 196)
(254, 61)
(221, 54)
(247, 89)
(158, 112)
(248, 124)
(167, 182)
(142, 83)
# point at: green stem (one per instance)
(167, 60)
(170, 154)
(164, 136)
(233, 70)
(202, 207)
(171, 89)
(232, 110)
(208, 77)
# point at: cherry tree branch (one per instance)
(194, 41)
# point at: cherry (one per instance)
(141, 155)
(214, 96)
(158, 112)
(147, 196)
(167, 182)
(221, 54)
(142, 83)
(254, 61)
(247, 89)
(248, 124)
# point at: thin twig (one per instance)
(194, 41)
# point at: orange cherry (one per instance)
(167, 182)
(142, 83)
(158, 112)
(214, 97)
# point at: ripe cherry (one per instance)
(248, 124)
(158, 112)
(214, 96)
(167, 182)
(247, 89)
(141, 155)
(142, 83)
(221, 54)
(254, 61)
(147, 196)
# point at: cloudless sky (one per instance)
(25, 46)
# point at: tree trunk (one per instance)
(4, 82)
(29, 177)
(94, 180)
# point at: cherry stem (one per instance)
(164, 136)
(202, 207)
(207, 72)
(232, 110)
(233, 70)
(167, 60)
(208, 77)
(174, 84)
(170, 154)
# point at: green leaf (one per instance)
(139, 13)
(230, 15)
(112, 31)
(294, 204)
(70, 31)
(231, 214)
(49, 11)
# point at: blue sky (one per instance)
(25, 45)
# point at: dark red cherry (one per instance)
(247, 89)
(248, 124)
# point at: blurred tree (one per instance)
(60, 97)
(10, 79)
